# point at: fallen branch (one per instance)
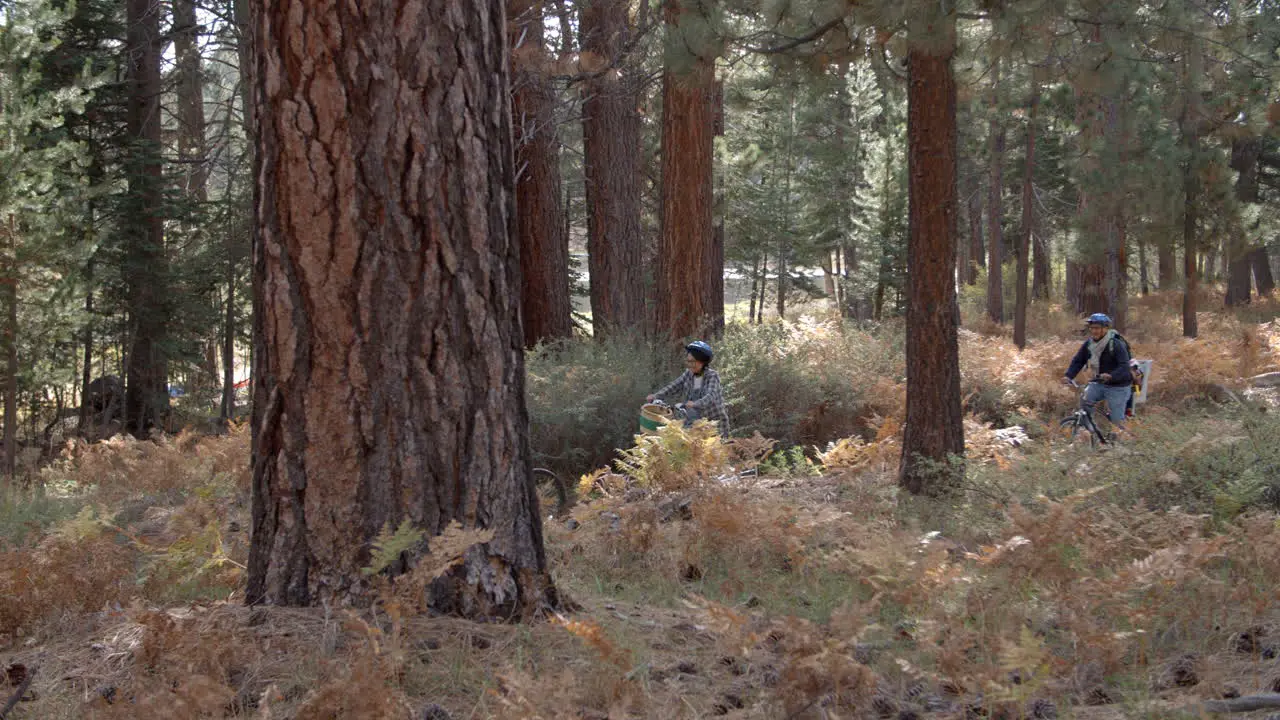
(1248, 703)
(23, 687)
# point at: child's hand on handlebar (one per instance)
(651, 398)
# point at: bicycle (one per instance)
(1082, 418)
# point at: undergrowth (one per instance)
(755, 578)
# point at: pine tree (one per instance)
(388, 344)
(933, 437)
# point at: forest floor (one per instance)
(1061, 581)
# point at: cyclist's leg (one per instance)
(690, 416)
(1117, 401)
(1093, 393)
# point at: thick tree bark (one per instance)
(1028, 227)
(544, 245)
(1244, 159)
(686, 304)
(145, 264)
(933, 437)
(995, 205)
(389, 360)
(611, 140)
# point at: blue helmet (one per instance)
(700, 351)
(1099, 319)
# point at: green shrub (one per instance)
(799, 384)
(584, 398)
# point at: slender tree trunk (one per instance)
(933, 438)
(86, 377)
(1028, 227)
(389, 361)
(611, 141)
(1040, 285)
(192, 161)
(191, 140)
(9, 286)
(544, 246)
(685, 303)
(1166, 265)
(995, 205)
(755, 284)
(1191, 190)
(977, 255)
(145, 264)
(1261, 260)
(227, 408)
(1244, 160)
(1143, 275)
(764, 287)
(785, 237)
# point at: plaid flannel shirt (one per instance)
(710, 406)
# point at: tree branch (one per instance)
(794, 43)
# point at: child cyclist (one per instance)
(700, 386)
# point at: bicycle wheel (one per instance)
(1071, 425)
(553, 493)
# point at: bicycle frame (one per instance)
(1082, 418)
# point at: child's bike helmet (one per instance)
(700, 351)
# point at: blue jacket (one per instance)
(1114, 360)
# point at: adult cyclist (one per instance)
(1106, 354)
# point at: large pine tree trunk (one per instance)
(686, 304)
(544, 245)
(145, 265)
(1028, 228)
(934, 434)
(611, 140)
(995, 204)
(389, 361)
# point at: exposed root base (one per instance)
(486, 587)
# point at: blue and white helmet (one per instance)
(1099, 319)
(700, 351)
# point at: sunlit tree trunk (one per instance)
(389, 360)
(686, 304)
(933, 438)
(611, 141)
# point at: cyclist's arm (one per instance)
(1079, 361)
